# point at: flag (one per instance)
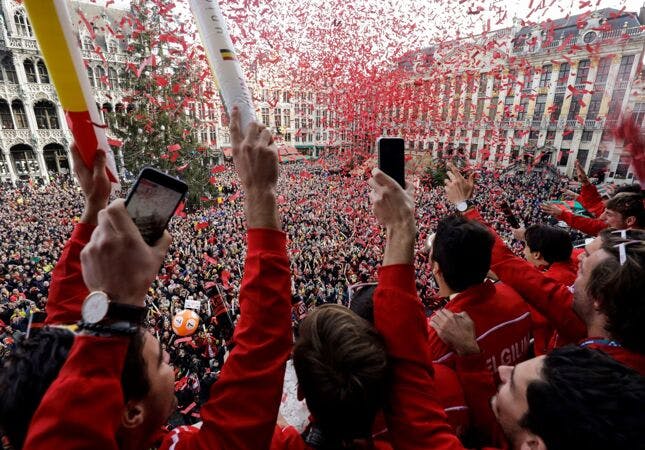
(219, 305)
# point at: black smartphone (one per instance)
(510, 217)
(391, 157)
(153, 200)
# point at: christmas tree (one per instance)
(159, 127)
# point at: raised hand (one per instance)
(117, 260)
(458, 188)
(456, 330)
(95, 184)
(551, 209)
(580, 171)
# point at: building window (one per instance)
(639, 113)
(9, 70)
(603, 70)
(287, 118)
(5, 115)
(30, 71)
(586, 135)
(545, 75)
(594, 105)
(113, 47)
(101, 78)
(623, 166)
(540, 106)
(123, 79)
(483, 81)
(616, 104)
(46, 116)
(23, 27)
(4, 167)
(625, 68)
(564, 157)
(114, 78)
(480, 109)
(42, 72)
(550, 136)
(567, 134)
(88, 44)
(286, 96)
(582, 155)
(574, 109)
(556, 108)
(265, 116)
(277, 116)
(90, 75)
(523, 108)
(24, 160)
(528, 79)
(19, 114)
(563, 74)
(583, 72)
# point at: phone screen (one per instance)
(510, 217)
(391, 158)
(151, 204)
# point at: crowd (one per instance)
(332, 246)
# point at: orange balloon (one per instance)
(185, 322)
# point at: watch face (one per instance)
(95, 307)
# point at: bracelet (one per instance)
(111, 329)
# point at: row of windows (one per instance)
(14, 116)
(24, 161)
(35, 72)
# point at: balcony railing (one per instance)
(603, 36)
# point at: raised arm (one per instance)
(585, 224)
(414, 418)
(549, 297)
(67, 289)
(242, 410)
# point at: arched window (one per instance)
(55, 158)
(5, 115)
(9, 70)
(114, 78)
(24, 160)
(19, 114)
(46, 115)
(4, 167)
(101, 79)
(23, 27)
(42, 72)
(90, 75)
(30, 71)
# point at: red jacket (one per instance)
(591, 200)
(503, 336)
(544, 337)
(67, 289)
(551, 299)
(252, 376)
(588, 226)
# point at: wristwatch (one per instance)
(463, 206)
(97, 308)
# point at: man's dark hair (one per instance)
(26, 375)
(35, 363)
(342, 368)
(362, 302)
(633, 188)
(586, 400)
(463, 249)
(628, 204)
(619, 288)
(553, 243)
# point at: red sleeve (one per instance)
(553, 300)
(591, 200)
(86, 398)
(287, 438)
(67, 290)
(414, 418)
(479, 387)
(588, 226)
(243, 407)
(439, 351)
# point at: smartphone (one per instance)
(510, 217)
(153, 200)
(391, 157)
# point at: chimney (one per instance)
(641, 16)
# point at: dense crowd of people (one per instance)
(334, 248)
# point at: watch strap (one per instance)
(120, 328)
(120, 312)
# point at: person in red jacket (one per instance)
(603, 309)
(549, 249)
(622, 211)
(252, 374)
(461, 256)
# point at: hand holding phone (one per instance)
(152, 201)
(510, 217)
(391, 158)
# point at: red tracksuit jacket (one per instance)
(502, 325)
(551, 299)
(591, 200)
(585, 224)
(233, 418)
